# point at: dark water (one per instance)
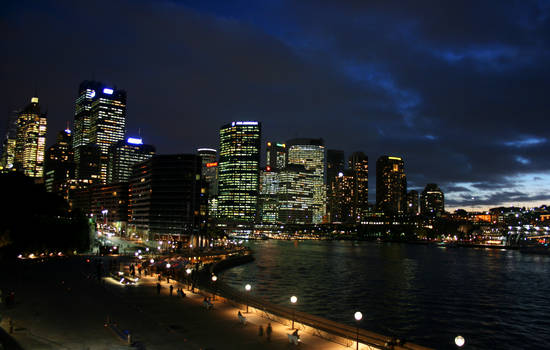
(496, 299)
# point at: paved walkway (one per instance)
(59, 305)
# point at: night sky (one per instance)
(460, 89)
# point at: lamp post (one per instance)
(188, 271)
(358, 316)
(214, 279)
(460, 341)
(247, 288)
(293, 300)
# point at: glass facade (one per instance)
(123, 155)
(239, 171)
(30, 141)
(391, 185)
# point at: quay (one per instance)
(60, 305)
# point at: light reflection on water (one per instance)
(425, 294)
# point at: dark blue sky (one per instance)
(458, 88)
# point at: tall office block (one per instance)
(359, 167)
(311, 154)
(7, 159)
(167, 198)
(239, 170)
(100, 118)
(391, 185)
(59, 163)
(30, 141)
(209, 157)
(336, 164)
(123, 155)
(342, 198)
(276, 156)
(296, 195)
(268, 206)
(412, 202)
(432, 201)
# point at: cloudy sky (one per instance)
(460, 89)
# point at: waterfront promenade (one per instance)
(60, 305)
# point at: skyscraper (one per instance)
(100, 119)
(391, 185)
(125, 154)
(342, 197)
(239, 170)
(31, 140)
(359, 167)
(432, 201)
(276, 158)
(412, 202)
(209, 157)
(59, 163)
(7, 159)
(268, 200)
(336, 164)
(296, 195)
(311, 154)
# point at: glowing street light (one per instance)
(247, 288)
(293, 300)
(358, 317)
(460, 341)
(188, 271)
(214, 279)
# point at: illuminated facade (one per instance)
(432, 201)
(391, 185)
(311, 154)
(296, 195)
(100, 119)
(109, 204)
(7, 159)
(59, 163)
(123, 155)
(30, 142)
(209, 157)
(342, 197)
(239, 170)
(269, 202)
(412, 202)
(359, 167)
(276, 156)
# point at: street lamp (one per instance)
(460, 341)
(214, 279)
(247, 288)
(293, 300)
(188, 271)
(358, 316)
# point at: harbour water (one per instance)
(496, 299)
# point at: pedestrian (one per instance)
(159, 277)
(171, 289)
(139, 270)
(261, 331)
(158, 288)
(167, 279)
(268, 332)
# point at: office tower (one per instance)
(311, 154)
(335, 164)
(123, 155)
(100, 118)
(276, 156)
(432, 201)
(7, 159)
(167, 198)
(268, 202)
(296, 195)
(342, 197)
(59, 163)
(412, 202)
(209, 171)
(239, 170)
(391, 185)
(359, 167)
(30, 141)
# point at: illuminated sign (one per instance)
(34, 100)
(108, 91)
(209, 165)
(92, 94)
(244, 123)
(394, 158)
(268, 168)
(134, 141)
(68, 131)
(206, 149)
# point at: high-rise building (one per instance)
(391, 185)
(412, 202)
(335, 165)
(239, 170)
(123, 155)
(311, 154)
(209, 157)
(167, 198)
(342, 197)
(276, 157)
(359, 167)
(269, 202)
(59, 163)
(30, 142)
(100, 119)
(109, 205)
(432, 201)
(7, 159)
(296, 195)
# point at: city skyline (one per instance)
(460, 98)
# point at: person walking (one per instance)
(268, 332)
(158, 288)
(261, 331)
(171, 289)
